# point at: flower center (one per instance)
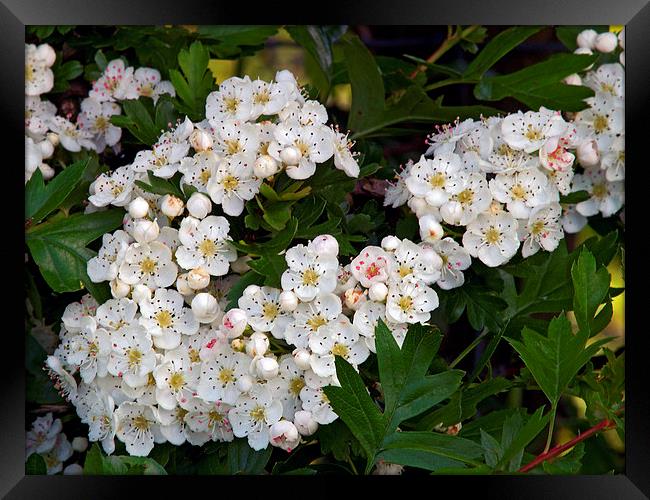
(599, 190)
(258, 414)
(537, 227)
(310, 277)
(315, 322)
(600, 123)
(405, 303)
(205, 175)
(492, 235)
(231, 104)
(466, 196)
(606, 87)
(208, 248)
(148, 265)
(214, 417)
(134, 357)
(164, 319)
(233, 146)
(340, 350)
(117, 189)
(518, 192)
(230, 183)
(141, 423)
(101, 123)
(303, 148)
(324, 397)
(270, 310)
(405, 270)
(533, 134)
(372, 270)
(226, 375)
(262, 97)
(296, 385)
(29, 72)
(437, 180)
(194, 355)
(176, 381)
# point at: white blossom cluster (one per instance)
(47, 439)
(500, 179)
(44, 129)
(254, 129)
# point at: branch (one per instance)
(554, 452)
(448, 43)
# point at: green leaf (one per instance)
(277, 215)
(274, 246)
(98, 464)
(429, 450)
(158, 185)
(249, 278)
(336, 438)
(138, 120)
(515, 437)
(492, 450)
(590, 287)
(41, 199)
(35, 465)
(498, 47)
(575, 197)
(568, 34)
(570, 463)
(271, 267)
(242, 459)
(59, 247)
(196, 81)
(540, 84)
(356, 408)
(554, 360)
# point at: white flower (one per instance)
(148, 264)
(233, 183)
(133, 357)
(468, 196)
(572, 221)
(114, 188)
(205, 244)
(309, 273)
(164, 159)
(71, 136)
(315, 401)
(543, 229)
(95, 118)
(606, 197)
(397, 192)
(410, 259)
(74, 312)
(309, 113)
(343, 157)
(105, 266)
(220, 372)
(41, 438)
(366, 319)
(430, 178)
(455, 259)
(233, 101)
(209, 418)
(522, 191)
(253, 414)
(38, 114)
(410, 301)
(561, 179)
(604, 118)
(267, 98)
(305, 423)
(608, 78)
(311, 317)
(197, 170)
(56, 456)
(89, 350)
(287, 386)
(147, 83)
(529, 131)
(234, 137)
(166, 319)
(314, 145)
(33, 158)
(613, 160)
(341, 339)
(176, 380)
(100, 416)
(372, 265)
(39, 78)
(115, 83)
(492, 238)
(264, 312)
(446, 136)
(138, 427)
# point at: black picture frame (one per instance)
(634, 14)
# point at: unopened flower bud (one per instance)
(138, 208)
(182, 284)
(587, 154)
(245, 382)
(172, 206)
(284, 434)
(573, 79)
(251, 290)
(290, 155)
(198, 278)
(267, 368)
(325, 245)
(417, 204)
(305, 423)
(621, 39)
(146, 231)
(199, 205)
(378, 292)
(257, 345)
(46, 53)
(265, 166)
(46, 171)
(354, 297)
(73, 470)
(621, 58)
(140, 293)
(53, 138)
(586, 39)
(288, 301)
(390, 243)
(200, 140)
(238, 345)
(205, 308)
(452, 430)
(234, 322)
(240, 266)
(80, 444)
(430, 229)
(606, 42)
(47, 148)
(119, 289)
(301, 357)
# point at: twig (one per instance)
(554, 452)
(448, 43)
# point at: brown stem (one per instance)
(554, 452)
(448, 43)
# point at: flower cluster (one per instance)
(501, 178)
(254, 130)
(47, 439)
(92, 129)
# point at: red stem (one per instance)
(553, 452)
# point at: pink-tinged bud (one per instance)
(198, 278)
(390, 243)
(265, 166)
(587, 153)
(430, 229)
(305, 423)
(46, 171)
(234, 322)
(586, 39)
(573, 79)
(200, 140)
(146, 231)
(354, 297)
(606, 42)
(284, 434)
